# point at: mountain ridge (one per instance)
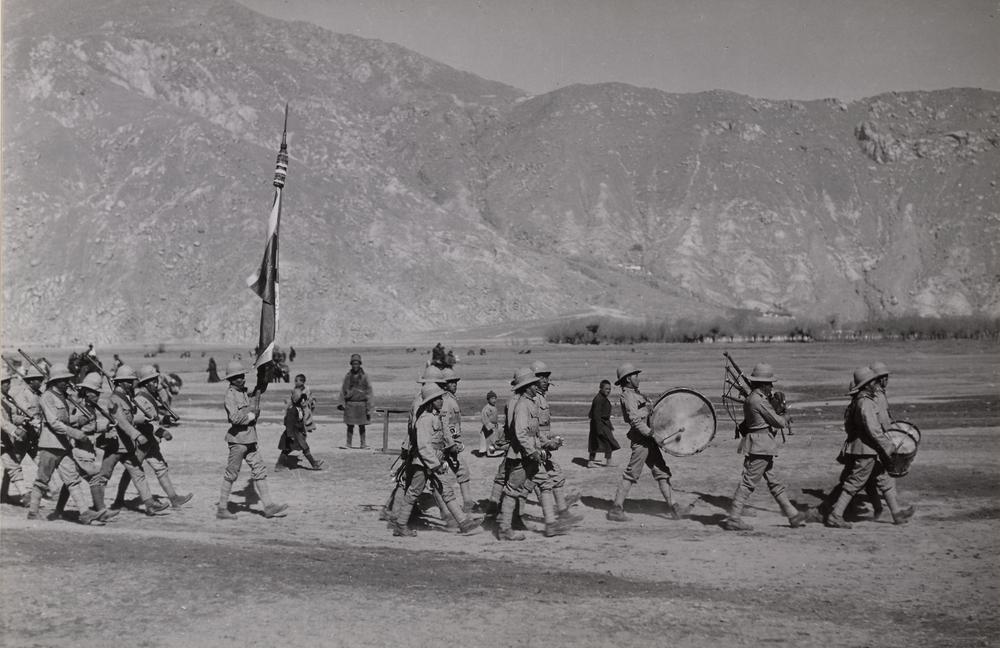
(139, 145)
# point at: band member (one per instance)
(424, 465)
(636, 410)
(866, 451)
(759, 431)
(241, 438)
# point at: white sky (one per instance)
(777, 49)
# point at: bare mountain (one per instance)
(139, 143)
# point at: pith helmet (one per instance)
(31, 372)
(429, 392)
(93, 382)
(234, 369)
(762, 372)
(124, 372)
(431, 375)
(540, 368)
(880, 369)
(862, 376)
(58, 372)
(147, 373)
(449, 374)
(357, 357)
(523, 377)
(626, 370)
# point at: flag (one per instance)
(264, 282)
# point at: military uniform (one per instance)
(147, 418)
(55, 447)
(241, 437)
(866, 448)
(521, 464)
(16, 440)
(759, 429)
(424, 464)
(636, 409)
(451, 416)
(123, 443)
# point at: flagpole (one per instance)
(264, 282)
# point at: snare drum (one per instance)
(905, 438)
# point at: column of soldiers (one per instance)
(81, 433)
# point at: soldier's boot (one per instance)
(553, 525)
(61, 501)
(466, 525)
(734, 521)
(386, 513)
(400, 528)
(468, 501)
(317, 464)
(271, 509)
(34, 501)
(516, 522)
(87, 514)
(97, 495)
(900, 515)
(176, 500)
(617, 511)
(123, 483)
(835, 519)
(668, 497)
(563, 508)
(507, 507)
(492, 510)
(399, 518)
(154, 506)
(449, 520)
(281, 464)
(795, 517)
(222, 507)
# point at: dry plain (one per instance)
(330, 574)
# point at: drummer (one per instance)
(759, 442)
(866, 451)
(636, 410)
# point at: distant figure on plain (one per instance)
(602, 436)
(356, 398)
(213, 371)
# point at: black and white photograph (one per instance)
(526, 323)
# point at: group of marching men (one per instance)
(65, 425)
(69, 429)
(433, 448)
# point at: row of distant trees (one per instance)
(748, 327)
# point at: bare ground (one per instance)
(331, 574)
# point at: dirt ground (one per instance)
(331, 574)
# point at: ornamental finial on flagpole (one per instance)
(281, 166)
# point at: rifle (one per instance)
(159, 402)
(100, 369)
(17, 373)
(72, 401)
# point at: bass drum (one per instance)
(906, 439)
(683, 422)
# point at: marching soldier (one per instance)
(524, 461)
(424, 465)
(242, 440)
(551, 478)
(759, 429)
(124, 444)
(451, 416)
(636, 409)
(866, 451)
(55, 448)
(147, 417)
(13, 442)
(85, 451)
(27, 399)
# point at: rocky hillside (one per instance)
(139, 144)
